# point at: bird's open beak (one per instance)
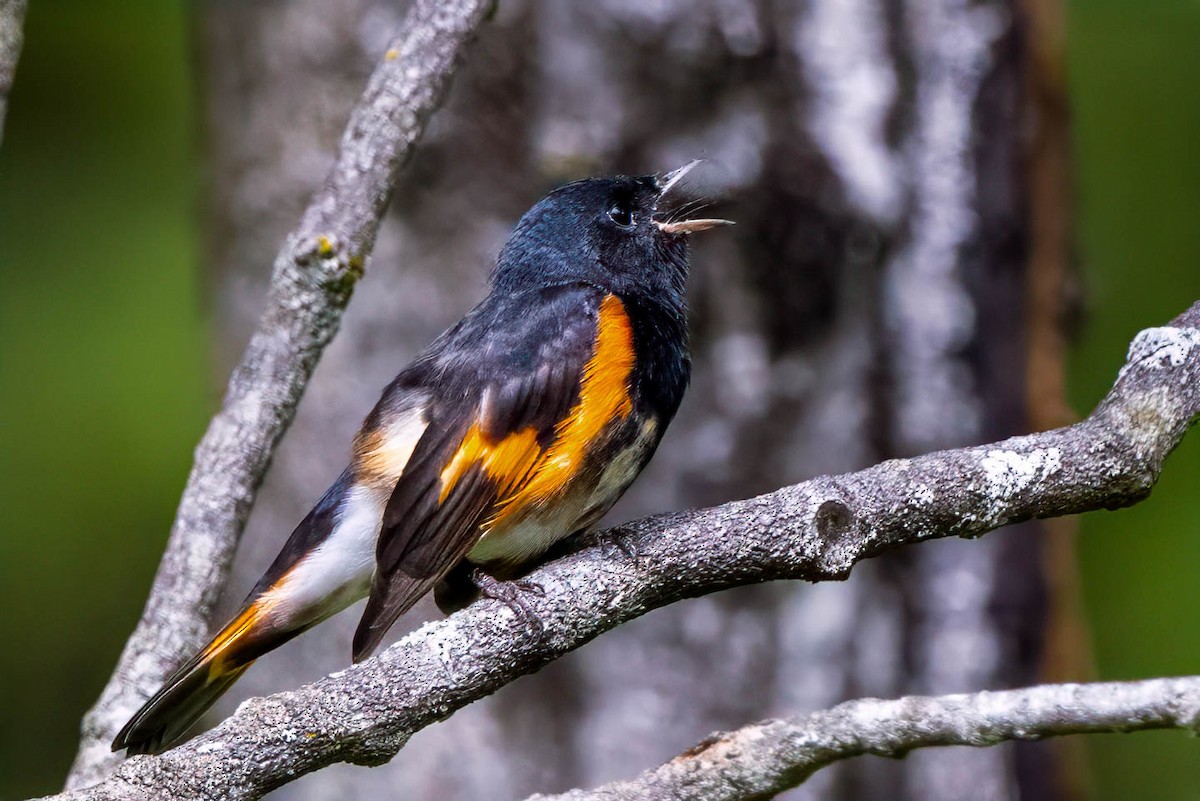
(665, 185)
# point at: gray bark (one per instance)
(767, 758)
(314, 274)
(868, 305)
(816, 531)
(12, 21)
(953, 316)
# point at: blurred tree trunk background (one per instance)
(881, 158)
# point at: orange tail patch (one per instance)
(221, 654)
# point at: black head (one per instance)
(606, 231)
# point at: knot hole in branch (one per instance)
(833, 519)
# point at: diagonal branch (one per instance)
(816, 531)
(313, 277)
(766, 758)
(12, 19)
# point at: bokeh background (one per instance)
(107, 357)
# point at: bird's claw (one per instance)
(510, 593)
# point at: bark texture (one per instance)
(767, 758)
(868, 305)
(314, 274)
(12, 34)
(817, 531)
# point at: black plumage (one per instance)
(522, 423)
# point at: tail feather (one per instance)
(174, 709)
(325, 566)
(189, 692)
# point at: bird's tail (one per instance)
(198, 683)
(325, 566)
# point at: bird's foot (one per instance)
(511, 594)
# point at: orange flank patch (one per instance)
(603, 398)
(506, 462)
(526, 476)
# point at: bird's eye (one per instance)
(621, 215)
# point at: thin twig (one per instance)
(313, 277)
(766, 758)
(816, 531)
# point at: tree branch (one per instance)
(816, 531)
(313, 277)
(12, 19)
(767, 758)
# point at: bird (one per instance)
(520, 425)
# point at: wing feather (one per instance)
(504, 385)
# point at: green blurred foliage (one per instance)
(102, 379)
(1135, 89)
(103, 389)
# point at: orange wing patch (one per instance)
(506, 462)
(524, 474)
(603, 398)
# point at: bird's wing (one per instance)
(515, 397)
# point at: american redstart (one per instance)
(521, 424)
